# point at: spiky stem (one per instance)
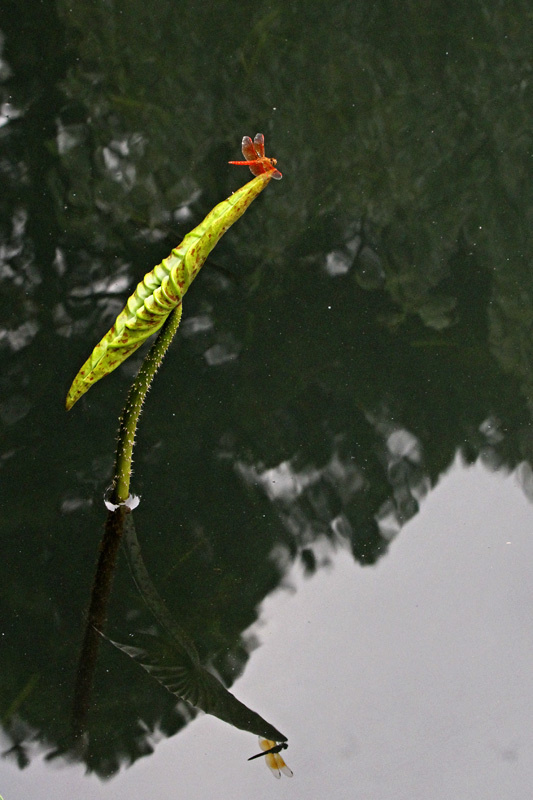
(132, 409)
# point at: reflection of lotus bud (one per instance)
(173, 660)
(368, 271)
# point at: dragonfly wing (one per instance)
(280, 765)
(284, 768)
(248, 149)
(265, 744)
(259, 144)
(257, 168)
(264, 165)
(272, 764)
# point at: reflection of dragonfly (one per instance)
(271, 751)
(254, 153)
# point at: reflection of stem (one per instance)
(96, 615)
(22, 696)
(134, 401)
(150, 595)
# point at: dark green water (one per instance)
(363, 330)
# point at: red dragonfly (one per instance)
(271, 751)
(254, 153)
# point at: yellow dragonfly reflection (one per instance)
(271, 751)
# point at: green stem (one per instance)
(133, 406)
